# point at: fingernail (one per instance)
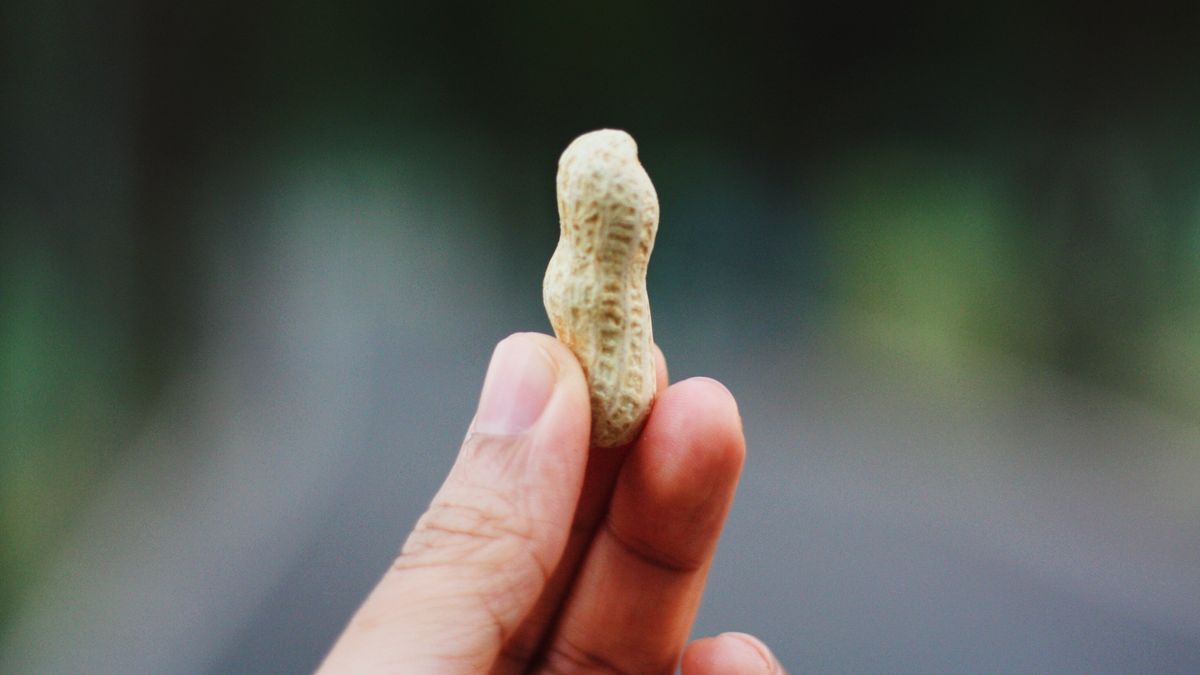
(714, 383)
(752, 649)
(518, 385)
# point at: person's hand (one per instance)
(537, 555)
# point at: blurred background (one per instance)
(254, 258)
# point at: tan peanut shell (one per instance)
(595, 286)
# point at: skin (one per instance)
(538, 555)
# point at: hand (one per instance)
(538, 555)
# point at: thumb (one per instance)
(480, 556)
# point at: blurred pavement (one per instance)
(892, 517)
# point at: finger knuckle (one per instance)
(457, 525)
(490, 541)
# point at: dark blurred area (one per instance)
(254, 258)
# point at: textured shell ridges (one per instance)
(595, 285)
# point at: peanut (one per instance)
(595, 285)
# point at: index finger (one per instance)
(636, 596)
(602, 469)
